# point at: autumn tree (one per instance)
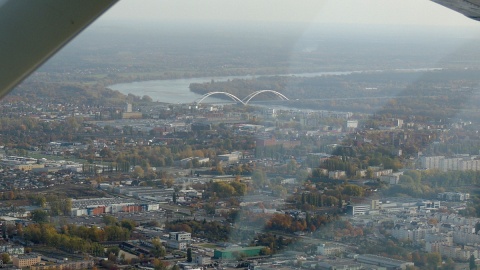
(138, 172)
(158, 250)
(5, 258)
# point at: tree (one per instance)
(116, 233)
(19, 228)
(128, 224)
(259, 178)
(265, 251)
(369, 174)
(302, 175)
(291, 166)
(112, 257)
(147, 98)
(433, 259)
(189, 255)
(159, 265)
(223, 189)
(109, 220)
(352, 190)
(11, 195)
(5, 258)
(158, 250)
(471, 263)
(106, 153)
(39, 216)
(449, 264)
(219, 169)
(240, 188)
(138, 172)
(43, 202)
(67, 206)
(113, 250)
(308, 219)
(432, 221)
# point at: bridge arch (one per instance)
(254, 94)
(233, 97)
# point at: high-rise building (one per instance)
(128, 107)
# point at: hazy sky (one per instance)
(394, 12)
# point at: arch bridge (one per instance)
(243, 101)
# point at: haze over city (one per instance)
(254, 134)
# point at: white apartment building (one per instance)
(464, 163)
(356, 210)
(412, 233)
(180, 236)
(330, 249)
(176, 244)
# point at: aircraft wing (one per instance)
(32, 31)
(469, 8)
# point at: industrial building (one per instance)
(356, 210)
(65, 265)
(93, 207)
(229, 158)
(146, 193)
(383, 261)
(235, 252)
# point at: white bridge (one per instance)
(245, 100)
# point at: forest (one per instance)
(438, 94)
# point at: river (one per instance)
(177, 91)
